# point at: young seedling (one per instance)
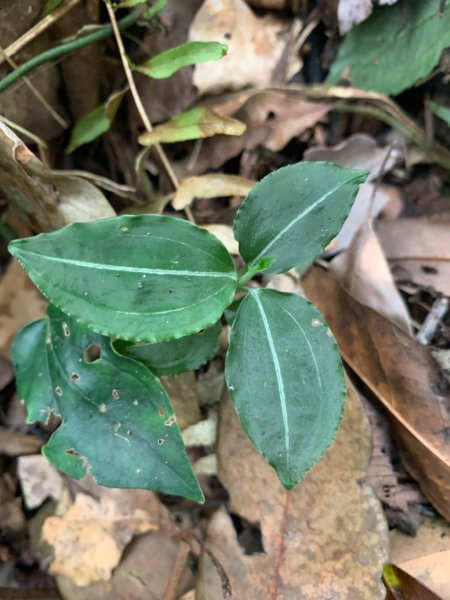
(136, 297)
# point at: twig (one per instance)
(138, 102)
(177, 571)
(37, 29)
(65, 48)
(432, 321)
(40, 98)
(40, 143)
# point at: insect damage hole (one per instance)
(92, 353)
(66, 329)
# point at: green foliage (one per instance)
(96, 122)
(162, 280)
(286, 380)
(394, 48)
(167, 63)
(115, 414)
(293, 213)
(142, 277)
(50, 6)
(177, 356)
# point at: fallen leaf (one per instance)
(403, 376)
(273, 118)
(363, 271)
(255, 46)
(352, 12)
(39, 480)
(89, 539)
(12, 518)
(44, 199)
(14, 443)
(418, 250)
(203, 433)
(20, 302)
(326, 538)
(402, 586)
(193, 124)
(225, 235)
(425, 556)
(211, 185)
(6, 371)
(359, 150)
(184, 398)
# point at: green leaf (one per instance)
(193, 124)
(177, 356)
(394, 48)
(443, 112)
(142, 277)
(116, 416)
(167, 63)
(286, 380)
(293, 213)
(96, 122)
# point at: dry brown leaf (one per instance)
(402, 374)
(425, 556)
(273, 118)
(363, 271)
(326, 538)
(388, 482)
(184, 397)
(89, 539)
(212, 185)
(352, 12)
(255, 46)
(44, 199)
(225, 235)
(359, 150)
(400, 585)
(20, 302)
(11, 515)
(418, 251)
(14, 443)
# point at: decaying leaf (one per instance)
(402, 374)
(44, 199)
(89, 539)
(255, 45)
(15, 443)
(20, 302)
(363, 271)
(425, 556)
(326, 538)
(400, 585)
(39, 480)
(211, 185)
(193, 124)
(418, 250)
(273, 118)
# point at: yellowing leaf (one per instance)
(214, 185)
(193, 124)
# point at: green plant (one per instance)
(143, 296)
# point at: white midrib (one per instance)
(127, 269)
(300, 216)
(276, 364)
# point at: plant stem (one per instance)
(138, 102)
(65, 48)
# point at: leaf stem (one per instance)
(65, 48)
(138, 101)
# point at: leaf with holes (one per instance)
(286, 380)
(293, 213)
(143, 278)
(167, 63)
(116, 416)
(177, 356)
